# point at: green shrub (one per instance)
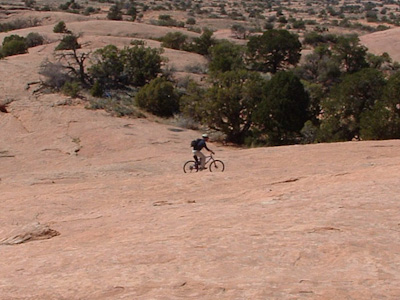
(89, 10)
(71, 88)
(14, 47)
(34, 39)
(383, 120)
(268, 26)
(167, 20)
(158, 97)
(132, 12)
(29, 3)
(13, 37)
(284, 108)
(133, 66)
(191, 21)
(97, 90)
(115, 13)
(60, 27)
(69, 42)
(174, 40)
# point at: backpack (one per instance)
(194, 143)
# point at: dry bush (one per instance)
(186, 122)
(54, 73)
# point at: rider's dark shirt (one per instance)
(200, 145)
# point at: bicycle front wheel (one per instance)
(190, 167)
(217, 166)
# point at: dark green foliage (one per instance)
(132, 12)
(13, 45)
(174, 40)
(71, 88)
(89, 10)
(268, 26)
(60, 27)
(70, 5)
(371, 16)
(383, 120)
(202, 44)
(351, 53)
(191, 21)
(97, 89)
(158, 97)
(107, 66)
(320, 68)
(138, 43)
(165, 17)
(229, 104)
(239, 31)
(141, 64)
(226, 56)
(34, 39)
(316, 93)
(68, 42)
(273, 50)
(314, 38)
(356, 94)
(115, 12)
(191, 101)
(309, 132)
(299, 24)
(13, 37)
(284, 109)
(167, 20)
(378, 61)
(282, 20)
(135, 65)
(29, 3)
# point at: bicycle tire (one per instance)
(217, 166)
(190, 167)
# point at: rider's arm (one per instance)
(205, 146)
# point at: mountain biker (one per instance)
(201, 143)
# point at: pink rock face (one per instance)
(97, 207)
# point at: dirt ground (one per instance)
(98, 207)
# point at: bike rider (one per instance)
(202, 143)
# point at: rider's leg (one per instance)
(202, 159)
(195, 156)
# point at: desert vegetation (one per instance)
(97, 115)
(260, 86)
(15, 44)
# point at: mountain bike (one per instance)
(214, 165)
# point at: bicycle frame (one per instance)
(213, 164)
(207, 158)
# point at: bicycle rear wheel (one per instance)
(217, 166)
(190, 167)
